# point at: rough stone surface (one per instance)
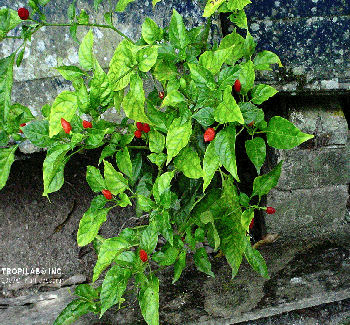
(312, 39)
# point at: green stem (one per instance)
(138, 147)
(93, 25)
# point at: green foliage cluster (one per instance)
(188, 189)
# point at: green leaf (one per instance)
(202, 76)
(179, 134)
(95, 179)
(246, 218)
(228, 110)
(189, 163)
(224, 143)
(162, 185)
(237, 4)
(211, 163)
(205, 116)
(83, 18)
(144, 203)
(109, 250)
(73, 32)
(123, 161)
(158, 159)
(263, 60)
(113, 287)
(100, 89)
(121, 65)
(263, 184)
(115, 181)
(156, 141)
(97, 3)
(85, 290)
(122, 4)
(179, 265)
(73, 311)
(134, 101)
(9, 19)
(256, 151)
(246, 75)
(53, 168)
(20, 57)
(147, 57)
(173, 98)
(7, 157)
(38, 133)
(149, 301)
(70, 72)
(166, 258)
(89, 225)
(213, 60)
(150, 31)
(107, 151)
(164, 70)
(86, 55)
(211, 7)
(162, 223)
(154, 2)
(6, 81)
(64, 106)
(235, 44)
(202, 262)
(239, 19)
(262, 93)
(251, 113)
(255, 259)
(149, 239)
(282, 134)
(178, 34)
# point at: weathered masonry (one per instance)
(309, 263)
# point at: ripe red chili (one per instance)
(23, 13)
(146, 128)
(143, 255)
(23, 124)
(107, 194)
(139, 126)
(209, 134)
(161, 94)
(251, 225)
(237, 86)
(87, 124)
(270, 210)
(138, 134)
(66, 125)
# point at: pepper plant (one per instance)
(173, 157)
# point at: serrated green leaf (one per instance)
(205, 116)
(164, 70)
(86, 55)
(237, 4)
(213, 60)
(235, 44)
(107, 151)
(211, 7)
(7, 157)
(149, 239)
(177, 138)
(283, 134)
(134, 101)
(239, 19)
(145, 203)
(189, 163)
(162, 185)
(246, 76)
(224, 143)
(6, 81)
(85, 290)
(256, 151)
(113, 287)
(158, 159)
(166, 258)
(20, 57)
(202, 76)
(263, 184)
(246, 218)
(109, 250)
(89, 225)
(70, 72)
(173, 98)
(162, 223)
(64, 106)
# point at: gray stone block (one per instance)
(308, 213)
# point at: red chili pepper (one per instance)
(107, 194)
(87, 124)
(66, 125)
(209, 134)
(143, 255)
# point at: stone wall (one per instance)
(312, 39)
